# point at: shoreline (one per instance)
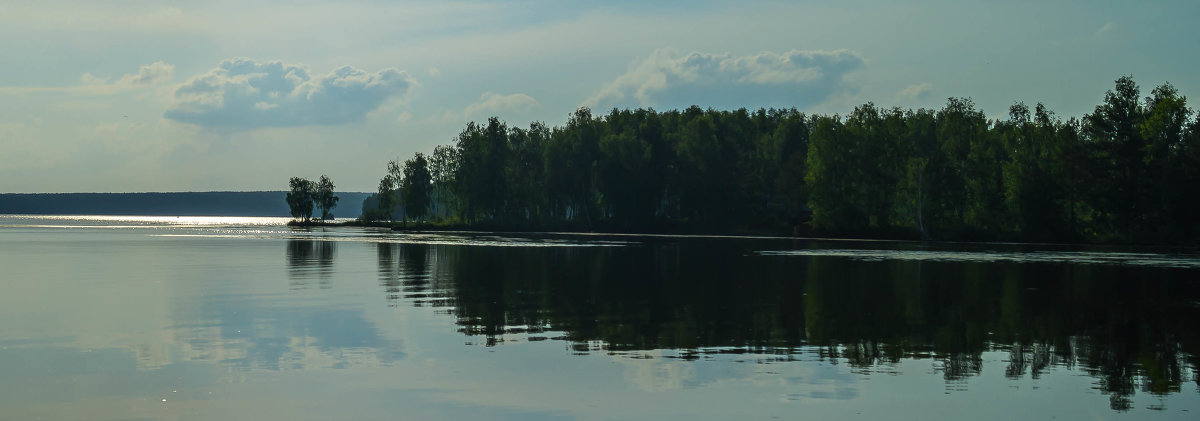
(426, 226)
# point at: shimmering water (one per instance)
(245, 318)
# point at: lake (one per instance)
(244, 318)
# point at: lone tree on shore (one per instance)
(307, 195)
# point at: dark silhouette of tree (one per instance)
(1122, 173)
(416, 186)
(1117, 165)
(324, 197)
(385, 199)
(442, 166)
(300, 198)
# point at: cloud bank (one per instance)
(791, 79)
(245, 94)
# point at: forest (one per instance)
(1126, 173)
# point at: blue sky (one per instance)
(215, 95)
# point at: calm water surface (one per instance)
(244, 318)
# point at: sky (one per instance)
(135, 96)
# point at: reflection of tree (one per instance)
(404, 269)
(1033, 358)
(308, 260)
(389, 275)
(1130, 329)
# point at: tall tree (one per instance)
(962, 132)
(481, 184)
(300, 198)
(525, 172)
(831, 177)
(442, 166)
(416, 186)
(1118, 165)
(790, 141)
(624, 160)
(917, 203)
(581, 137)
(701, 166)
(324, 197)
(1166, 117)
(386, 198)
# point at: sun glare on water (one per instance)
(139, 220)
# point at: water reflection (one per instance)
(405, 272)
(106, 324)
(1130, 328)
(307, 260)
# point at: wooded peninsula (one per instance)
(1129, 172)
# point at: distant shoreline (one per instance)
(211, 203)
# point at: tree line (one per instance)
(1127, 172)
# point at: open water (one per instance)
(244, 318)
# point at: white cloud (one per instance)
(1108, 27)
(245, 94)
(150, 75)
(915, 93)
(795, 78)
(492, 102)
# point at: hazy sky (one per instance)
(128, 96)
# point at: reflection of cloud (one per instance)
(277, 339)
(245, 94)
(1108, 27)
(793, 78)
(651, 373)
(58, 380)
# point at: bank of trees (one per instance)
(1127, 172)
(305, 196)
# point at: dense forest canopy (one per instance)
(1127, 172)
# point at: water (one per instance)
(245, 318)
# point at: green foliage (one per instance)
(479, 175)
(324, 197)
(385, 198)
(300, 198)
(305, 196)
(1126, 172)
(416, 186)
(442, 166)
